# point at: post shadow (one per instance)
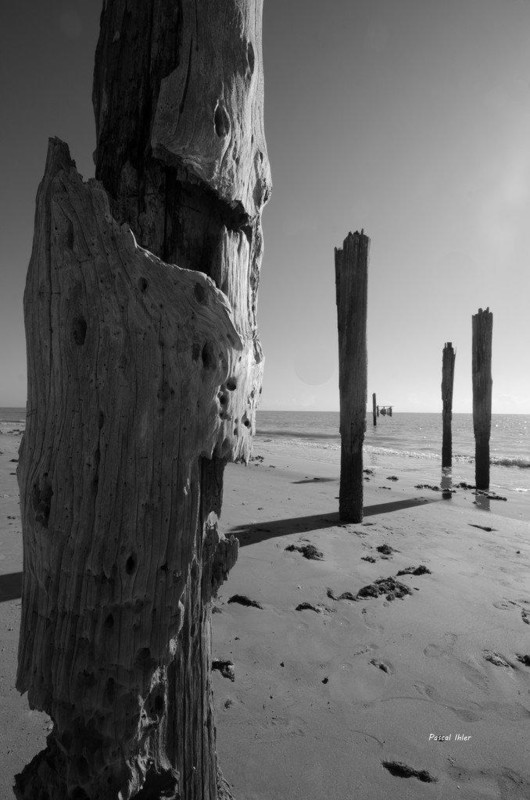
(261, 531)
(10, 586)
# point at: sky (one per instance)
(408, 118)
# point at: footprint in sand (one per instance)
(444, 649)
(504, 605)
(430, 693)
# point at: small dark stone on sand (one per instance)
(368, 558)
(524, 659)
(243, 600)
(379, 664)
(307, 607)
(400, 770)
(325, 680)
(386, 549)
(368, 471)
(392, 478)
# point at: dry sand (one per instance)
(323, 697)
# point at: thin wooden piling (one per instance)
(482, 383)
(448, 374)
(375, 410)
(351, 274)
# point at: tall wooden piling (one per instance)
(351, 274)
(482, 383)
(144, 370)
(374, 408)
(448, 374)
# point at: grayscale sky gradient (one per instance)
(408, 118)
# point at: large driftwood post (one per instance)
(143, 382)
(482, 330)
(351, 277)
(448, 374)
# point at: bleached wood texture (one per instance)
(448, 374)
(351, 279)
(143, 382)
(482, 333)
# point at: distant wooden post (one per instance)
(482, 383)
(374, 408)
(448, 374)
(351, 274)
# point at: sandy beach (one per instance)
(365, 691)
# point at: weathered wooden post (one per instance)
(143, 382)
(351, 278)
(482, 328)
(448, 373)
(374, 409)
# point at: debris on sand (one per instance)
(524, 659)
(401, 770)
(392, 478)
(495, 658)
(427, 486)
(421, 570)
(243, 600)
(482, 527)
(380, 665)
(491, 495)
(344, 596)
(385, 549)
(388, 586)
(226, 668)
(308, 551)
(370, 559)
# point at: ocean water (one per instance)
(415, 437)
(408, 435)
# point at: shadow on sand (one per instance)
(259, 531)
(10, 586)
